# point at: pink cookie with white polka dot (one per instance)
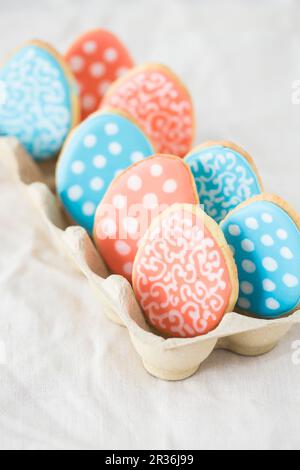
(97, 59)
(133, 201)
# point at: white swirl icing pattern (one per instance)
(154, 100)
(181, 279)
(37, 105)
(223, 179)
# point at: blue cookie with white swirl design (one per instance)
(264, 234)
(39, 103)
(225, 176)
(96, 152)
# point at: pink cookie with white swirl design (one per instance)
(184, 274)
(133, 201)
(155, 97)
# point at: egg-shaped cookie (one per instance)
(97, 59)
(39, 103)
(264, 234)
(158, 100)
(133, 200)
(225, 176)
(95, 153)
(184, 275)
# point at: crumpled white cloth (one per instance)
(69, 378)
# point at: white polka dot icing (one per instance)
(252, 223)
(267, 240)
(269, 286)
(122, 248)
(136, 197)
(150, 201)
(269, 275)
(119, 201)
(270, 264)
(77, 63)
(135, 183)
(97, 184)
(111, 54)
(96, 58)
(224, 179)
(267, 218)
(108, 227)
(244, 303)
(286, 253)
(130, 225)
(74, 193)
(41, 100)
(78, 167)
(88, 209)
(248, 266)
(101, 147)
(272, 304)
(248, 245)
(234, 230)
(290, 280)
(247, 288)
(88, 102)
(90, 141)
(97, 70)
(127, 269)
(89, 47)
(282, 234)
(100, 161)
(115, 148)
(156, 170)
(137, 157)
(170, 186)
(111, 128)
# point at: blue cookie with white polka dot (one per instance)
(98, 150)
(266, 244)
(225, 176)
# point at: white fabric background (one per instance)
(71, 378)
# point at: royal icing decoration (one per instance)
(39, 102)
(184, 273)
(96, 152)
(160, 103)
(97, 59)
(133, 201)
(225, 176)
(266, 244)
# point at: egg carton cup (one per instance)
(167, 359)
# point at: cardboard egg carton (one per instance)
(171, 359)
